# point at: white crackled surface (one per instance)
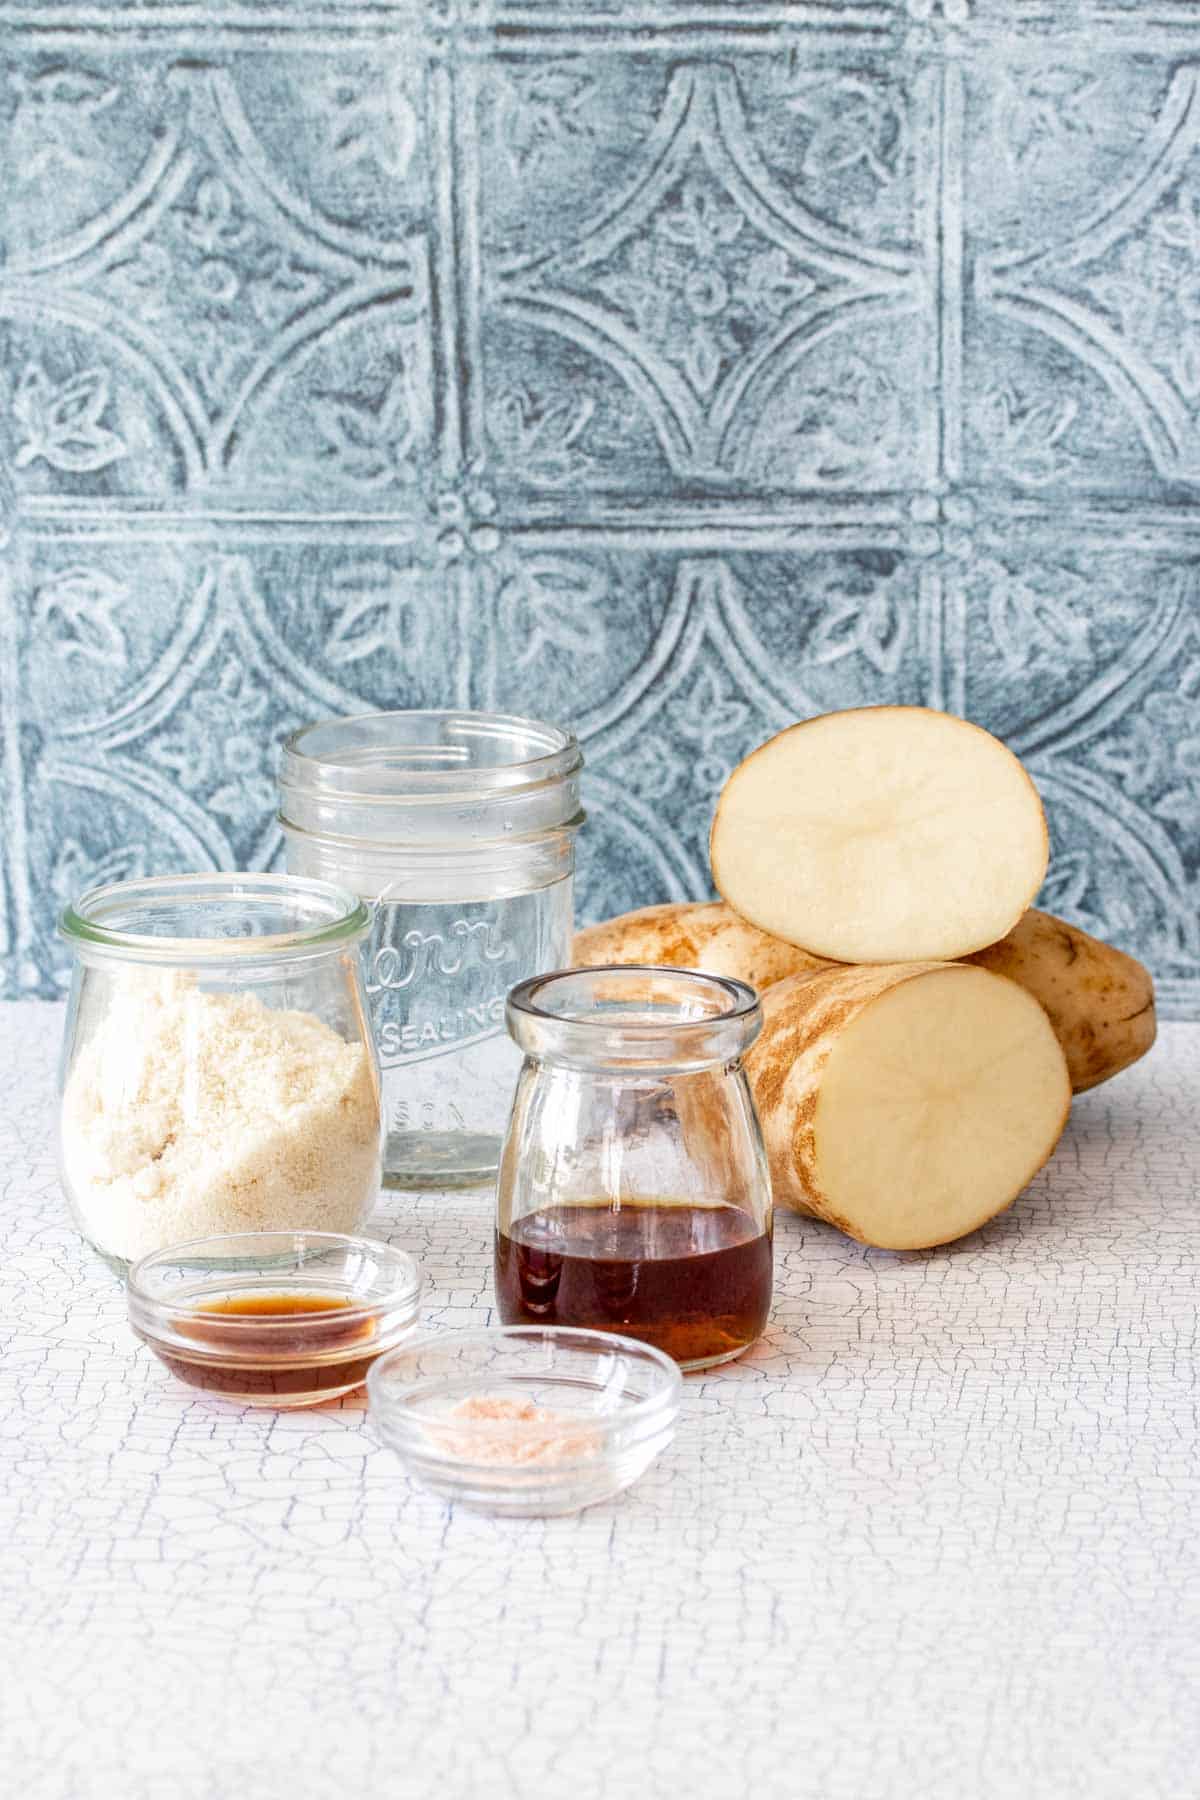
(934, 1540)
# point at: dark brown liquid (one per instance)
(306, 1330)
(694, 1281)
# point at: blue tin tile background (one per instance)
(671, 371)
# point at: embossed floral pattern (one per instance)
(53, 128)
(78, 608)
(374, 607)
(542, 113)
(537, 434)
(551, 602)
(703, 285)
(61, 421)
(1154, 292)
(219, 751)
(676, 373)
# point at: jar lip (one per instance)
(345, 920)
(387, 770)
(743, 1005)
(437, 851)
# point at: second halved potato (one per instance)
(881, 834)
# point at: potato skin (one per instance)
(705, 935)
(1099, 1000)
(802, 1019)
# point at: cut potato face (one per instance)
(881, 834)
(937, 1105)
(906, 1105)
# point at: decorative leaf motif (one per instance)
(76, 606)
(213, 224)
(871, 625)
(1043, 113)
(1024, 435)
(1065, 888)
(372, 444)
(376, 607)
(1025, 619)
(53, 120)
(702, 359)
(640, 291)
(709, 714)
(375, 125)
(853, 123)
(551, 602)
(62, 424)
(541, 113)
(773, 279)
(538, 436)
(842, 425)
(279, 288)
(702, 220)
(76, 870)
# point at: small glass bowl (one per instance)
(528, 1420)
(205, 1309)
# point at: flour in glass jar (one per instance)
(189, 1115)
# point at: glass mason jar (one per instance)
(459, 829)
(634, 1194)
(218, 1071)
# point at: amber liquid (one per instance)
(307, 1330)
(694, 1281)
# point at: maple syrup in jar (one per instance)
(694, 1281)
(633, 1193)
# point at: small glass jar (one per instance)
(634, 1194)
(218, 1072)
(459, 829)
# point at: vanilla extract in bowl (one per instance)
(305, 1348)
(277, 1319)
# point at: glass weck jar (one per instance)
(459, 829)
(218, 1072)
(634, 1194)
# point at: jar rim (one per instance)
(386, 770)
(345, 918)
(742, 1000)
(596, 1037)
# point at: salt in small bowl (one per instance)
(527, 1420)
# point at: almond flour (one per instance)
(190, 1115)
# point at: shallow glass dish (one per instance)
(527, 1420)
(274, 1318)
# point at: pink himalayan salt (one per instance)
(559, 1442)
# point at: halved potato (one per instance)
(906, 1105)
(881, 834)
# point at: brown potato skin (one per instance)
(803, 1019)
(706, 935)
(1099, 1000)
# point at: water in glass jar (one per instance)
(437, 974)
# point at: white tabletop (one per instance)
(934, 1539)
